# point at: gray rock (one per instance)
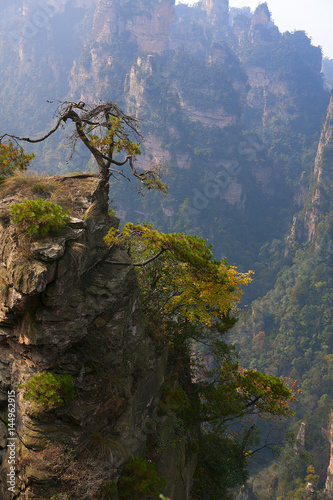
(69, 310)
(71, 234)
(77, 223)
(28, 277)
(16, 301)
(48, 249)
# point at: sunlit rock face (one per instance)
(322, 176)
(147, 23)
(329, 479)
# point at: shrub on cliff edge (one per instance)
(39, 217)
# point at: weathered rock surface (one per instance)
(322, 176)
(48, 249)
(329, 479)
(148, 23)
(65, 309)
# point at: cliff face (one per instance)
(66, 309)
(261, 16)
(316, 198)
(154, 79)
(146, 23)
(322, 177)
(329, 480)
(129, 27)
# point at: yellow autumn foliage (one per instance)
(201, 289)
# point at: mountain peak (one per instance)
(261, 15)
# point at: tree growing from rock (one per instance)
(194, 287)
(112, 137)
(188, 299)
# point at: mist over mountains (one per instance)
(236, 114)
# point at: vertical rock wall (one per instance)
(329, 480)
(322, 176)
(147, 23)
(66, 309)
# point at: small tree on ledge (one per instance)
(106, 131)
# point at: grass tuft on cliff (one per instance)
(73, 193)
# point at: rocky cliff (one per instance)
(322, 176)
(129, 28)
(329, 480)
(66, 309)
(146, 23)
(315, 198)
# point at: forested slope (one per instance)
(289, 330)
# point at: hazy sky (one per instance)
(313, 16)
